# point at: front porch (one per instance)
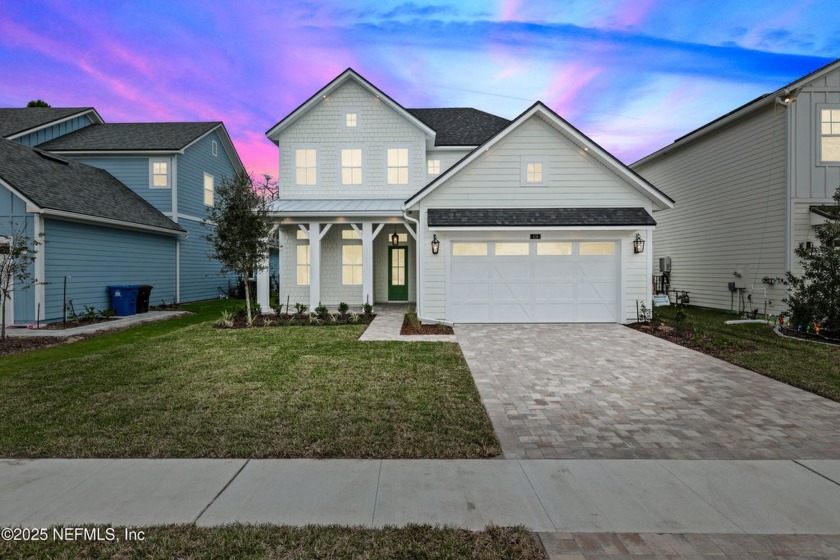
(331, 259)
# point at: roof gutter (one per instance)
(98, 220)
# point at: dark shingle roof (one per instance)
(13, 121)
(539, 217)
(460, 126)
(58, 184)
(165, 136)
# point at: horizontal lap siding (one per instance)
(133, 172)
(201, 276)
(95, 257)
(730, 193)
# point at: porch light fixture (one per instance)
(638, 244)
(395, 239)
(435, 245)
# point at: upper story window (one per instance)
(434, 167)
(159, 170)
(214, 148)
(306, 166)
(397, 166)
(209, 189)
(351, 166)
(533, 171)
(350, 119)
(830, 135)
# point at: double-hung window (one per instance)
(351, 166)
(209, 189)
(397, 166)
(159, 170)
(306, 166)
(302, 255)
(830, 135)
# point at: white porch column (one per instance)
(263, 283)
(314, 265)
(367, 263)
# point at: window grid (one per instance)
(306, 166)
(434, 167)
(160, 174)
(534, 172)
(397, 166)
(350, 119)
(351, 166)
(830, 135)
(209, 189)
(351, 265)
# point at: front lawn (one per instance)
(809, 366)
(291, 543)
(184, 389)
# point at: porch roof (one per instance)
(337, 207)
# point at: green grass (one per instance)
(293, 543)
(809, 366)
(181, 388)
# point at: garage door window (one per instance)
(469, 249)
(597, 248)
(512, 249)
(550, 248)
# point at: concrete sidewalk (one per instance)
(585, 496)
(115, 323)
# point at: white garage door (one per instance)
(534, 282)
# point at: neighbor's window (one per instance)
(303, 265)
(830, 134)
(591, 248)
(351, 265)
(214, 148)
(469, 249)
(305, 166)
(160, 174)
(209, 189)
(434, 167)
(397, 166)
(351, 166)
(350, 119)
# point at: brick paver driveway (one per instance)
(607, 391)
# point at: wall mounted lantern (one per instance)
(435, 245)
(395, 239)
(638, 244)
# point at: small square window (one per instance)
(350, 119)
(350, 234)
(533, 171)
(434, 167)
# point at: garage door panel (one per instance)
(564, 286)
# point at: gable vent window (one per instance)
(397, 166)
(209, 189)
(350, 119)
(160, 174)
(533, 172)
(214, 148)
(830, 135)
(434, 167)
(351, 166)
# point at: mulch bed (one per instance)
(298, 320)
(688, 340)
(14, 344)
(408, 328)
(824, 336)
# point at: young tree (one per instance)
(814, 297)
(241, 227)
(269, 189)
(17, 254)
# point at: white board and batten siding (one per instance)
(573, 179)
(730, 192)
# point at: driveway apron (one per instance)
(604, 391)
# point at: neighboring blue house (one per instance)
(136, 222)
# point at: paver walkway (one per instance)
(607, 391)
(388, 322)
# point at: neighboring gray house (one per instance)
(473, 217)
(116, 203)
(748, 187)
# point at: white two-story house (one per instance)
(473, 217)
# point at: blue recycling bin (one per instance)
(124, 299)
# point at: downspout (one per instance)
(786, 101)
(419, 264)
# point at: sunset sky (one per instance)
(634, 75)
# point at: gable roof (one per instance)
(131, 137)
(325, 91)
(69, 189)
(19, 121)
(784, 93)
(460, 126)
(660, 199)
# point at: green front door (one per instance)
(398, 273)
